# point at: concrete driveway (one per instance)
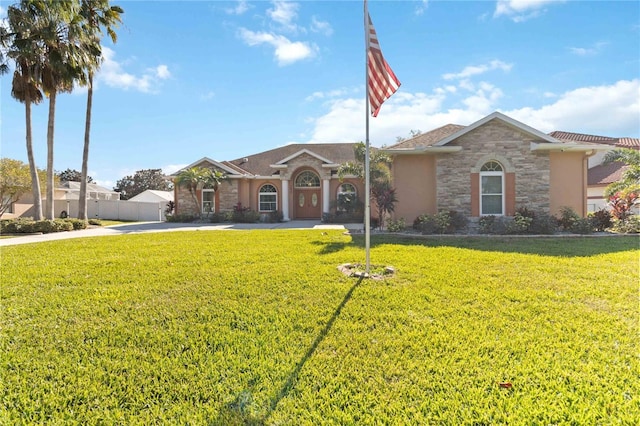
(145, 227)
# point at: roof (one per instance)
(604, 174)
(91, 187)
(581, 137)
(260, 164)
(151, 194)
(445, 134)
(429, 138)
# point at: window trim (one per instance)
(315, 175)
(274, 193)
(502, 194)
(213, 202)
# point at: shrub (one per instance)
(445, 222)
(48, 226)
(621, 204)
(244, 214)
(77, 224)
(217, 217)
(95, 222)
(582, 226)
(17, 226)
(492, 225)
(567, 218)
(543, 224)
(182, 218)
(396, 225)
(519, 225)
(600, 220)
(631, 225)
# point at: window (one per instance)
(347, 197)
(307, 179)
(208, 201)
(492, 189)
(268, 198)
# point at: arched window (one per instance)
(268, 198)
(347, 197)
(492, 189)
(307, 179)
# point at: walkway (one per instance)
(145, 227)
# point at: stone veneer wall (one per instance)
(505, 144)
(227, 198)
(304, 160)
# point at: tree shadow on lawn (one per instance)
(330, 247)
(237, 412)
(562, 246)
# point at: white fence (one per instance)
(114, 209)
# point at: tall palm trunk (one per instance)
(49, 214)
(35, 181)
(82, 204)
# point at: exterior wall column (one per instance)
(285, 200)
(325, 195)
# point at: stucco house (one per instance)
(599, 175)
(492, 166)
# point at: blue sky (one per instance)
(189, 79)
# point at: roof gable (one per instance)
(503, 118)
(301, 152)
(214, 163)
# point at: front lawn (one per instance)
(259, 327)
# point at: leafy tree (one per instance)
(15, 181)
(630, 180)
(20, 44)
(196, 178)
(130, 186)
(97, 15)
(72, 175)
(379, 177)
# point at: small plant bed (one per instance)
(358, 270)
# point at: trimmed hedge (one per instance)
(30, 226)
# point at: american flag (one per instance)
(381, 80)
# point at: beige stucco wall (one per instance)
(414, 177)
(568, 182)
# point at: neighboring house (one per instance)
(599, 176)
(492, 166)
(63, 195)
(153, 196)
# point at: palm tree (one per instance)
(196, 178)
(630, 179)
(379, 177)
(21, 44)
(96, 14)
(60, 68)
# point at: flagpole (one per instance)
(367, 190)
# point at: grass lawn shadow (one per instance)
(235, 412)
(563, 246)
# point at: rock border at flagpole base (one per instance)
(357, 270)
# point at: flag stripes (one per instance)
(382, 82)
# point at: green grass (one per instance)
(259, 327)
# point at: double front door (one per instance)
(307, 203)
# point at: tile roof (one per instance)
(259, 164)
(580, 137)
(429, 138)
(604, 174)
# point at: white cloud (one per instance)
(612, 110)
(162, 72)
(421, 7)
(240, 8)
(208, 95)
(284, 13)
(322, 27)
(331, 94)
(588, 51)
(479, 69)
(113, 75)
(286, 51)
(522, 10)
